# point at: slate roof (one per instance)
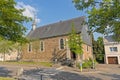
(57, 29)
(109, 38)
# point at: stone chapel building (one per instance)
(49, 42)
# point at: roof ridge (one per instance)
(47, 25)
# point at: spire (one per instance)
(34, 24)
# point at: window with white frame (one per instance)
(62, 45)
(41, 46)
(113, 49)
(30, 47)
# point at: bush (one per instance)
(87, 63)
(100, 58)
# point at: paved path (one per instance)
(102, 72)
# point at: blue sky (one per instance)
(49, 11)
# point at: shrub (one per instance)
(87, 63)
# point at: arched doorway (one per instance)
(73, 55)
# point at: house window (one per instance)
(62, 44)
(29, 47)
(41, 46)
(113, 49)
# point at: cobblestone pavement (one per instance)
(102, 72)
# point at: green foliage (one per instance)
(87, 63)
(101, 14)
(6, 46)
(45, 64)
(75, 42)
(98, 49)
(11, 21)
(100, 58)
(4, 78)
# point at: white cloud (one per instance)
(86, 1)
(29, 10)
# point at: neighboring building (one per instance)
(11, 56)
(112, 50)
(50, 41)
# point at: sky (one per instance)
(49, 11)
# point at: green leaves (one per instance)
(98, 49)
(75, 42)
(101, 14)
(83, 4)
(6, 46)
(11, 21)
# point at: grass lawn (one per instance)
(3, 78)
(46, 64)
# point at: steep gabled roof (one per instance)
(109, 38)
(57, 29)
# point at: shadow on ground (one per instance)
(72, 76)
(53, 74)
(113, 76)
(4, 72)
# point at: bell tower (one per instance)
(34, 24)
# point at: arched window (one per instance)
(30, 47)
(41, 46)
(87, 48)
(62, 44)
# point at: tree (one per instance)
(11, 21)
(94, 45)
(103, 15)
(6, 47)
(98, 49)
(75, 44)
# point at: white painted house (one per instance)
(112, 50)
(11, 56)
